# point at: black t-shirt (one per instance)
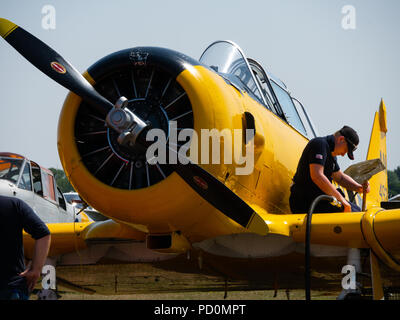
(318, 150)
(16, 215)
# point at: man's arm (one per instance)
(318, 177)
(33, 225)
(32, 272)
(349, 183)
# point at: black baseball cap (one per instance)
(352, 140)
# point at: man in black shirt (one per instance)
(318, 167)
(16, 281)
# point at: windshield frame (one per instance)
(243, 56)
(275, 104)
(20, 169)
(314, 130)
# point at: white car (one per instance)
(76, 201)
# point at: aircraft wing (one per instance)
(376, 228)
(71, 237)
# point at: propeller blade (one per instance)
(215, 192)
(52, 64)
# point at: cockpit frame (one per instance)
(246, 74)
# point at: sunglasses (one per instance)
(350, 145)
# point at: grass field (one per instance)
(145, 281)
(211, 295)
(181, 278)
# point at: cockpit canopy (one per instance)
(245, 74)
(10, 167)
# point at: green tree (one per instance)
(394, 182)
(397, 171)
(62, 181)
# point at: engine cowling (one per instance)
(161, 85)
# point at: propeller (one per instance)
(52, 64)
(215, 192)
(57, 68)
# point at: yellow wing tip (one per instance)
(6, 27)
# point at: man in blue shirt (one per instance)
(16, 280)
(318, 167)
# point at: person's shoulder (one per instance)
(13, 202)
(10, 206)
(318, 141)
(8, 199)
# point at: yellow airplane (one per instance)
(207, 205)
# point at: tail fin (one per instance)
(377, 149)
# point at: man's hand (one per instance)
(318, 177)
(346, 205)
(366, 187)
(32, 272)
(363, 187)
(31, 276)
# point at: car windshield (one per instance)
(71, 196)
(75, 199)
(10, 168)
(225, 57)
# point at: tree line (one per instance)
(62, 180)
(394, 182)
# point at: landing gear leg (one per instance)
(377, 288)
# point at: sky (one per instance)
(338, 60)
